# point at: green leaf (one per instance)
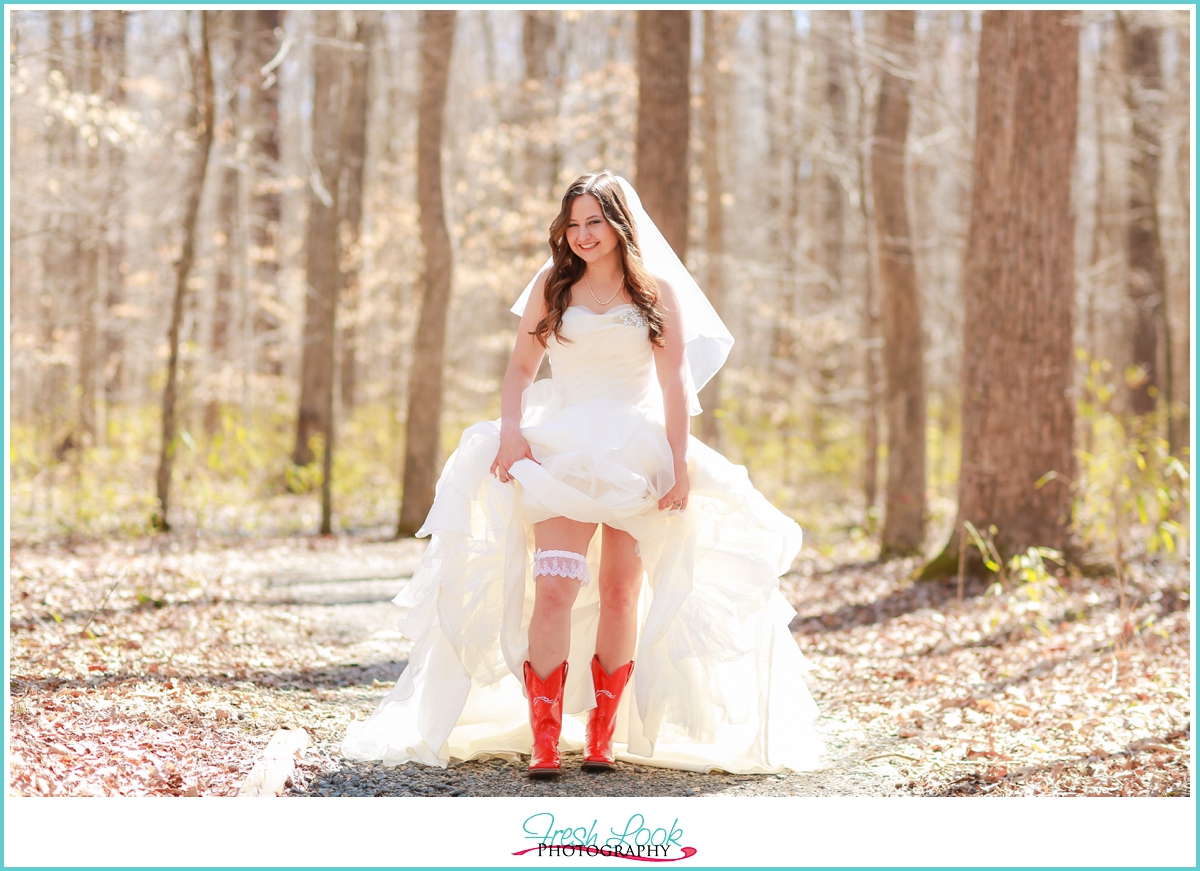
(1045, 479)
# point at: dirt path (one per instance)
(164, 666)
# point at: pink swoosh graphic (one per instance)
(688, 852)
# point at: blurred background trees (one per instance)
(831, 236)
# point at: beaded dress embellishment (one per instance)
(632, 317)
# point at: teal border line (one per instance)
(416, 5)
(185, 831)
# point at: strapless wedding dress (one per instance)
(717, 679)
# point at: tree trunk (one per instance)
(321, 242)
(1183, 165)
(1145, 99)
(58, 273)
(870, 315)
(715, 77)
(1100, 249)
(116, 23)
(831, 35)
(228, 236)
(92, 242)
(266, 207)
(203, 111)
(354, 158)
(539, 36)
(776, 99)
(423, 426)
(904, 394)
(664, 40)
(837, 27)
(1019, 289)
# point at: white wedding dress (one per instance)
(717, 679)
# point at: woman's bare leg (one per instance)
(550, 625)
(620, 584)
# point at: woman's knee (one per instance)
(555, 593)
(620, 581)
(619, 600)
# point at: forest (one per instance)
(259, 278)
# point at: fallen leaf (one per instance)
(984, 754)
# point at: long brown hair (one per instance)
(568, 268)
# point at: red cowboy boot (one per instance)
(545, 718)
(598, 750)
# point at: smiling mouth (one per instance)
(589, 247)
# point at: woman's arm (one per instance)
(522, 369)
(671, 363)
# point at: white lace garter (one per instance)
(561, 563)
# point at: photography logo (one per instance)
(634, 839)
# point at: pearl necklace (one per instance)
(599, 301)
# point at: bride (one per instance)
(681, 581)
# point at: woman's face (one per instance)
(589, 234)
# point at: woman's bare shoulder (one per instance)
(665, 290)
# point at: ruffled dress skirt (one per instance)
(718, 681)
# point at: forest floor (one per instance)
(163, 666)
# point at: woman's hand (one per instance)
(513, 447)
(676, 498)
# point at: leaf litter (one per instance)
(162, 666)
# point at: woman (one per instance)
(686, 565)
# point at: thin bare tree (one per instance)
(200, 121)
(321, 241)
(115, 23)
(1144, 98)
(904, 366)
(262, 29)
(91, 241)
(869, 324)
(714, 77)
(228, 236)
(354, 161)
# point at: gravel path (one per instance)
(343, 599)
